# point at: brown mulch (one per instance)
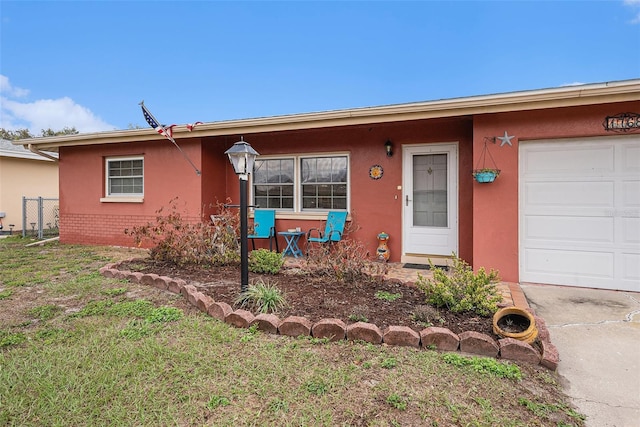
(317, 298)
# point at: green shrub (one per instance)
(461, 290)
(262, 297)
(265, 261)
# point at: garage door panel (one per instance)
(631, 159)
(580, 212)
(631, 236)
(569, 263)
(569, 194)
(569, 229)
(631, 267)
(630, 191)
(569, 159)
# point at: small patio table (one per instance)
(292, 237)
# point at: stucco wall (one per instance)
(376, 205)
(84, 218)
(495, 208)
(24, 177)
(488, 213)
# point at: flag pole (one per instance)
(162, 131)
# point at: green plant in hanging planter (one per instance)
(485, 175)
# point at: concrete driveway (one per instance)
(597, 333)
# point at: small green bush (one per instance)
(265, 261)
(262, 297)
(461, 290)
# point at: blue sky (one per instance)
(88, 64)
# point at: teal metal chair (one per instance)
(333, 230)
(264, 227)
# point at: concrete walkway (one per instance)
(597, 333)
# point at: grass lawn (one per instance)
(78, 349)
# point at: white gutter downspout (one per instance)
(40, 153)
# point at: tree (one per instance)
(65, 131)
(14, 135)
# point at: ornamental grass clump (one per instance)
(461, 290)
(262, 297)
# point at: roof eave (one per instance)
(568, 96)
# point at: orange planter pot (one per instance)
(519, 318)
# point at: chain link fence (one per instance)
(40, 217)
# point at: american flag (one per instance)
(190, 126)
(166, 132)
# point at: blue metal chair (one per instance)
(333, 230)
(264, 227)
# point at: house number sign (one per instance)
(623, 122)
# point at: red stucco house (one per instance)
(565, 208)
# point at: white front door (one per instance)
(430, 200)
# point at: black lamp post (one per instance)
(242, 156)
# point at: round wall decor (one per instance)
(375, 172)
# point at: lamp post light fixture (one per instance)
(242, 156)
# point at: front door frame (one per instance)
(450, 233)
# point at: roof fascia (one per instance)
(568, 96)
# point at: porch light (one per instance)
(389, 147)
(242, 156)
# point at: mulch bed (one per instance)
(318, 298)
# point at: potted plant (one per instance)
(485, 175)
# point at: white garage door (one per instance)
(580, 212)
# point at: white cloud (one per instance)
(635, 5)
(6, 88)
(54, 114)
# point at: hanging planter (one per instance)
(485, 174)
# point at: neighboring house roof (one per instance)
(566, 96)
(9, 149)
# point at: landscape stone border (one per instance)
(433, 338)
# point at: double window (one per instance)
(302, 183)
(125, 177)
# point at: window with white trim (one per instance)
(302, 183)
(125, 177)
